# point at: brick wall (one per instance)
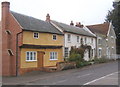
(9, 40)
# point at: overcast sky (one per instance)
(85, 11)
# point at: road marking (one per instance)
(59, 81)
(99, 78)
(84, 75)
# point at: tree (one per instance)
(114, 16)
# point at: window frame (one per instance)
(53, 36)
(34, 35)
(66, 52)
(78, 39)
(69, 37)
(99, 41)
(35, 59)
(100, 52)
(55, 56)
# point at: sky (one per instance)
(88, 12)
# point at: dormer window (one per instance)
(54, 37)
(36, 35)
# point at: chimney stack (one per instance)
(72, 23)
(48, 18)
(78, 24)
(5, 13)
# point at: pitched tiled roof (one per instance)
(72, 29)
(100, 28)
(33, 24)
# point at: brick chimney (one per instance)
(48, 18)
(5, 38)
(78, 24)
(72, 23)
(5, 14)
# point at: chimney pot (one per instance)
(72, 23)
(48, 18)
(5, 4)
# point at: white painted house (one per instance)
(73, 36)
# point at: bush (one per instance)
(100, 60)
(75, 57)
(81, 64)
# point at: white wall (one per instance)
(74, 42)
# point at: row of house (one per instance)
(30, 44)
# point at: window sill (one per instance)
(53, 59)
(31, 60)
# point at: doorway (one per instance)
(40, 56)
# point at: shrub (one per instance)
(100, 60)
(81, 64)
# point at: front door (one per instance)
(40, 56)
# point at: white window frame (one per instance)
(54, 55)
(34, 35)
(69, 37)
(53, 37)
(32, 56)
(78, 39)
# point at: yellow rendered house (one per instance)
(40, 44)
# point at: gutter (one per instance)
(17, 35)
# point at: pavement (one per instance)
(100, 74)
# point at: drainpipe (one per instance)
(17, 35)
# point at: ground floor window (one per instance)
(66, 51)
(31, 56)
(53, 55)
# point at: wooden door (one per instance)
(40, 56)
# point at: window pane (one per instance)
(31, 55)
(27, 55)
(54, 37)
(34, 58)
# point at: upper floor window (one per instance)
(78, 39)
(85, 40)
(53, 55)
(69, 37)
(91, 40)
(36, 35)
(54, 37)
(99, 41)
(31, 56)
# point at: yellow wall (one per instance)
(47, 61)
(44, 39)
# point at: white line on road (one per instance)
(99, 78)
(84, 75)
(59, 81)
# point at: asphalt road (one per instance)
(102, 74)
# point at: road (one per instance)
(102, 74)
